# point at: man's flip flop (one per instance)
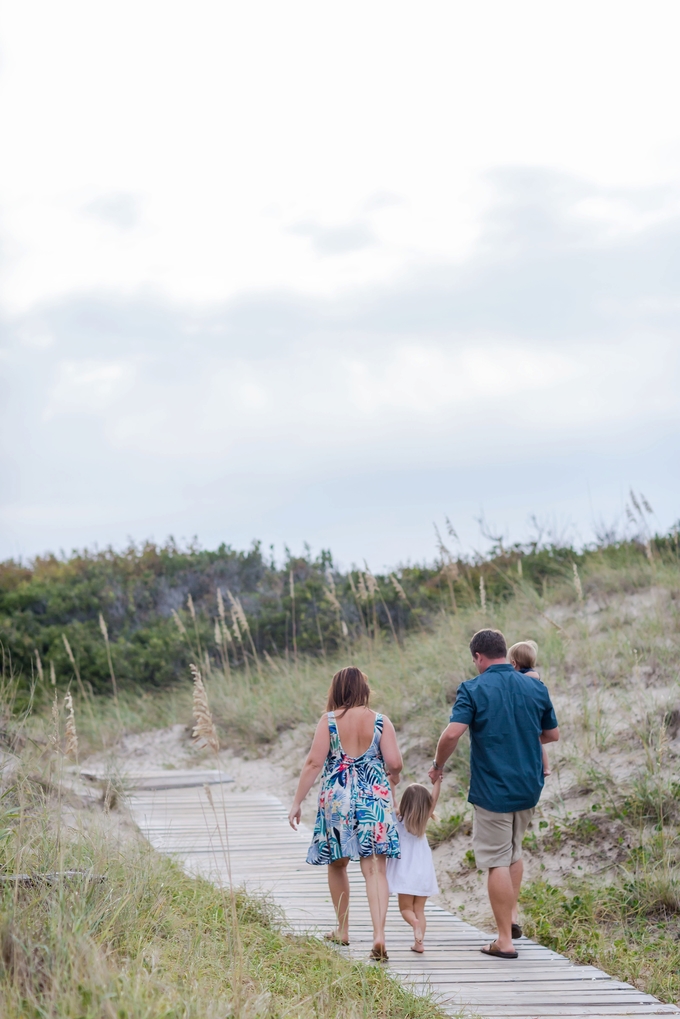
(335, 940)
(496, 952)
(516, 932)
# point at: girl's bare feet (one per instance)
(417, 945)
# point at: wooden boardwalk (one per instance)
(267, 856)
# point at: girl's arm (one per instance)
(436, 789)
(389, 748)
(310, 769)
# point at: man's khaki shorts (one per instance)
(497, 838)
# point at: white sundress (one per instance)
(413, 873)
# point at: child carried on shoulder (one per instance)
(523, 656)
(412, 876)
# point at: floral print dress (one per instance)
(354, 818)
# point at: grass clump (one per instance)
(630, 929)
(447, 828)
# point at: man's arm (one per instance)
(549, 735)
(448, 741)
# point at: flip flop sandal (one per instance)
(335, 940)
(378, 954)
(516, 932)
(497, 954)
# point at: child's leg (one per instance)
(419, 909)
(406, 908)
(546, 762)
(411, 908)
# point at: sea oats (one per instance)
(577, 583)
(242, 618)
(190, 605)
(401, 593)
(237, 614)
(71, 743)
(218, 633)
(53, 675)
(332, 598)
(371, 582)
(105, 634)
(451, 530)
(54, 739)
(482, 593)
(180, 625)
(38, 665)
(361, 584)
(69, 652)
(443, 550)
(204, 731)
(220, 605)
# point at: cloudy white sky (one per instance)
(295, 271)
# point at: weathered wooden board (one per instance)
(246, 838)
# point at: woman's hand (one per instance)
(294, 816)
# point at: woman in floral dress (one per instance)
(357, 750)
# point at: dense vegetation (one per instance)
(164, 606)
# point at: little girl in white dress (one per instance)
(412, 877)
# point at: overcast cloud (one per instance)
(374, 376)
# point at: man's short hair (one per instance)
(490, 643)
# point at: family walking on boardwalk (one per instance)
(510, 716)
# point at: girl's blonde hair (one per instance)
(524, 654)
(415, 808)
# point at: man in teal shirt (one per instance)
(509, 716)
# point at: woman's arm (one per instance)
(436, 789)
(389, 748)
(311, 768)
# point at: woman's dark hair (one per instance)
(490, 643)
(349, 688)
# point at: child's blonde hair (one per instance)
(415, 808)
(523, 654)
